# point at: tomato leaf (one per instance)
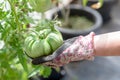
(34, 72)
(23, 61)
(45, 71)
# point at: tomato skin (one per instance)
(54, 40)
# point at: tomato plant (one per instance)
(14, 24)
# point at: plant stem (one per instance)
(15, 15)
(51, 24)
(65, 11)
(67, 15)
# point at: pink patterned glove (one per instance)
(81, 49)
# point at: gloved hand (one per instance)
(81, 49)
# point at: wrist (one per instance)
(96, 42)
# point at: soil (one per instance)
(77, 22)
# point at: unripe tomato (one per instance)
(42, 42)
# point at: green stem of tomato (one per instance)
(51, 24)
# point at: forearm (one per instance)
(107, 44)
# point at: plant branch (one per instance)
(67, 15)
(15, 14)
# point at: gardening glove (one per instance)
(80, 48)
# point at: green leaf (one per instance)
(45, 71)
(34, 72)
(40, 5)
(84, 2)
(2, 14)
(5, 33)
(1, 28)
(23, 61)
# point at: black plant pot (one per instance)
(55, 75)
(78, 10)
(106, 8)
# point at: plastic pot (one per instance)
(78, 10)
(55, 75)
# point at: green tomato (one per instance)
(42, 43)
(40, 5)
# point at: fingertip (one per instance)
(92, 33)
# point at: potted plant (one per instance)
(78, 21)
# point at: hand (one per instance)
(82, 48)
